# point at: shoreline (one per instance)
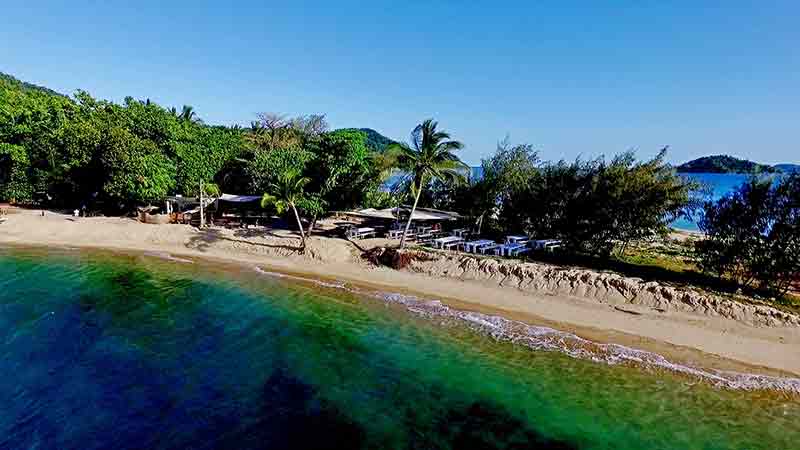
(535, 333)
(694, 341)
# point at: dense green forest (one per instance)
(6, 78)
(86, 151)
(724, 164)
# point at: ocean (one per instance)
(127, 351)
(717, 185)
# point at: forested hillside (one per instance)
(375, 141)
(723, 164)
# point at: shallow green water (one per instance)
(102, 351)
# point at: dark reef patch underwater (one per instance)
(101, 350)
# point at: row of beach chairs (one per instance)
(457, 240)
(420, 234)
(513, 245)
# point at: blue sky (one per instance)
(579, 78)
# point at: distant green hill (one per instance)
(376, 141)
(724, 164)
(23, 85)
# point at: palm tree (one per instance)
(188, 113)
(429, 156)
(285, 193)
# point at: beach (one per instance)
(686, 335)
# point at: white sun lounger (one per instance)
(518, 250)
(473, 246)
(455, 244)
(447, 242)
(424, 238)
(460, 232)
(394, 234)
(519, 239)
(486, 248)
(544, 243)
(361, 233)
(397, 234)
(511, 249)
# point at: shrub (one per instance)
(753, 234)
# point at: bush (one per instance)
(592, 206)
(753, 234)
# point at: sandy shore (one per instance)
(701, 340)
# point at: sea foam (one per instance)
(543, 338)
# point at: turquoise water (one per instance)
(716, 185)
(127, 351)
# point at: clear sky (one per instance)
(572, 78)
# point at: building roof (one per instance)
(420, 214)
(239, 198)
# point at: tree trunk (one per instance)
(410, 216)
(202, 216)
(311, 225)
(300, 227)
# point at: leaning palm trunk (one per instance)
(311, 225)
(431, 156)
(300, 227)
(410, 216)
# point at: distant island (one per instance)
(787, 167)
(730, 164)
(375, 141)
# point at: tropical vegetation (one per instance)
(593, 206)
(753, 234)
(429, 157)
(81, 151)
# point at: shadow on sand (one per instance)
(205, 238)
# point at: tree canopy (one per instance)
(593, 206)
(78, 150)
(753, 234)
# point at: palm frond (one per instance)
(417, 137)
(448, 146)
(268, 200)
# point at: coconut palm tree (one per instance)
(286, 193)
(429, 156)
(188, 113)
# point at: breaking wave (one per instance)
(549, 339)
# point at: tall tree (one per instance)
(430, 155)
(288, 192)
(189, 114)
